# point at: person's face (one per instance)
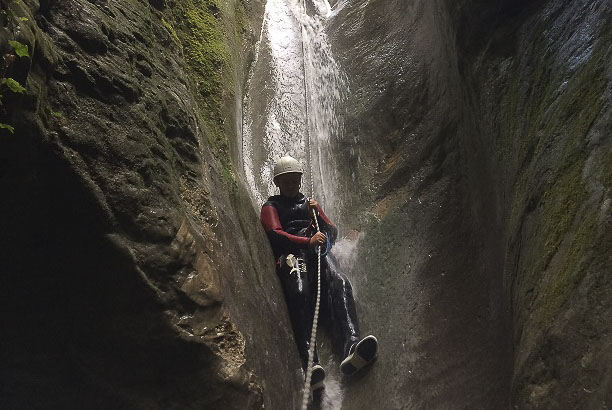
(289, 184)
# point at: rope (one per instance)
(306, 107)
(313, 334)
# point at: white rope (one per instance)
(306, 107)
(313, 334)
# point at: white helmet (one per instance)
(286, 165)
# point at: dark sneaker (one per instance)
(360, 354)
(317, 377)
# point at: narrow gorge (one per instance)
(464, 149)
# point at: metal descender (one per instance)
(297, 265)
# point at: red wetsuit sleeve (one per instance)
(271, 224)
(327, 226)
(323, 216)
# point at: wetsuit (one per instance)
(289, 227)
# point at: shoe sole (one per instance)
(364, 354)
(317, 378)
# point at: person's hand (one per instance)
(312, 203)
(318, 239)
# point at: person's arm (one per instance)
(325, 225)
(323, 216)
(279, 239)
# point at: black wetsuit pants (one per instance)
(336, 309)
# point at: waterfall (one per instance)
(294, 90)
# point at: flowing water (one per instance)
(291, 108)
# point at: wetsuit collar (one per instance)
(298, 198)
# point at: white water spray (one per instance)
(295, 73)
(294, 91)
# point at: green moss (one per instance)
(606, 171)
(554, 120)
(566, 280)
(173, 34)
(241, 19)
(550, 151)
(559, 207)
(208, 55)
(228, 175)
(207, 30)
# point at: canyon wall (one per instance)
(134, 270)
(476, 150)
(478, 145)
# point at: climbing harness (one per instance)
(313, 335)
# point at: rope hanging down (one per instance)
(306, 105)
(313, 335)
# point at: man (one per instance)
(288, 222)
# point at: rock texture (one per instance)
(477, 149)
(550, 157)
(479, 137)
(134, 271)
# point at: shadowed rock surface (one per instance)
(480, 137)
(133, 269)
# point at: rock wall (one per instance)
(478, 143)
(547, 92)
(426, 274)
(134, 272)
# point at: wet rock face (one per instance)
(477, 148)
(551, 149)
(425, 274)
(134, 272)
(479, 136)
